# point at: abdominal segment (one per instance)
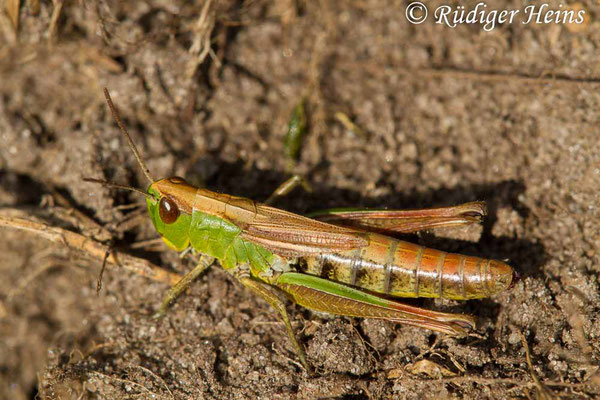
(397, 268)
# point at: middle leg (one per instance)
(203, 263)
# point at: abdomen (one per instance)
(404, 269)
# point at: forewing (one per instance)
(293, 235)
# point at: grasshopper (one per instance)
(339, 261)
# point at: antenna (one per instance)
(117, 118)
(115, 185)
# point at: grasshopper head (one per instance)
(170, 205)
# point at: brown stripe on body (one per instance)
(439, 290)
(474, 280)
(355, 265)
(337, 267)
(451, 279)
(418, 269)
(430, 273)
(402, 277)
(302, 266)
(370, 276)
(461, 275)
(314, 265)
(372, 269)
(464, 277)
(389, 257)
(487, 277)
(327, 268)
(482, 282)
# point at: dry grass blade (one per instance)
(200, 47)
(7, 31)
(12, 9)
(52, 29)
(542, 391)
(14, 218)
(84, 222)
(345, 120)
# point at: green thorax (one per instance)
(212, 236)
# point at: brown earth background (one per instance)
(508, 116)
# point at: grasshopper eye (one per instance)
(168, 210)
